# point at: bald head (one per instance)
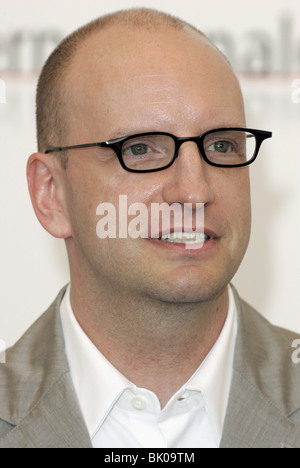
(109, 43)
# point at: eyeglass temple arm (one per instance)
(54, 149)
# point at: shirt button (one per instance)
(139, 403)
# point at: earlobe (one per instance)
(47, 194)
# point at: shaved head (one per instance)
(53, 106)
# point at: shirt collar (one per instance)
(99, 385)
(97, 382)
(213, 377)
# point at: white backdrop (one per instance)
(260, 36)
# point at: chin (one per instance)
(190, 291)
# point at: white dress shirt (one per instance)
(120, 415)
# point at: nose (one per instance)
(188, 178)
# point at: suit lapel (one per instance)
(55, 422)
(38, 404)
(252, 420)
(264, 388)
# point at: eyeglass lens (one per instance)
(226, 147)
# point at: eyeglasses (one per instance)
(151, 152)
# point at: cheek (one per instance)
(92, 196)
(84, 189)
(242, 197)
(233, 195)
(241, 211)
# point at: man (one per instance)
(149, 345)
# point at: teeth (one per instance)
(185, 237)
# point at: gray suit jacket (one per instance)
(39, 408)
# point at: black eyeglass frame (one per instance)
(117, 145)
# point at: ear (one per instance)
(45, 182)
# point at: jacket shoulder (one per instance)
(264, 355)
(32, 365)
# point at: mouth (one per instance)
(187, 238)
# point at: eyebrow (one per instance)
(122, 132)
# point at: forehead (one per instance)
(122, 71)
(120, 49)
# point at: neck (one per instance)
(156, 345)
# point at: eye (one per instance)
(220, 147)
(138, 149)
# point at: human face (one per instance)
(142, 81)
